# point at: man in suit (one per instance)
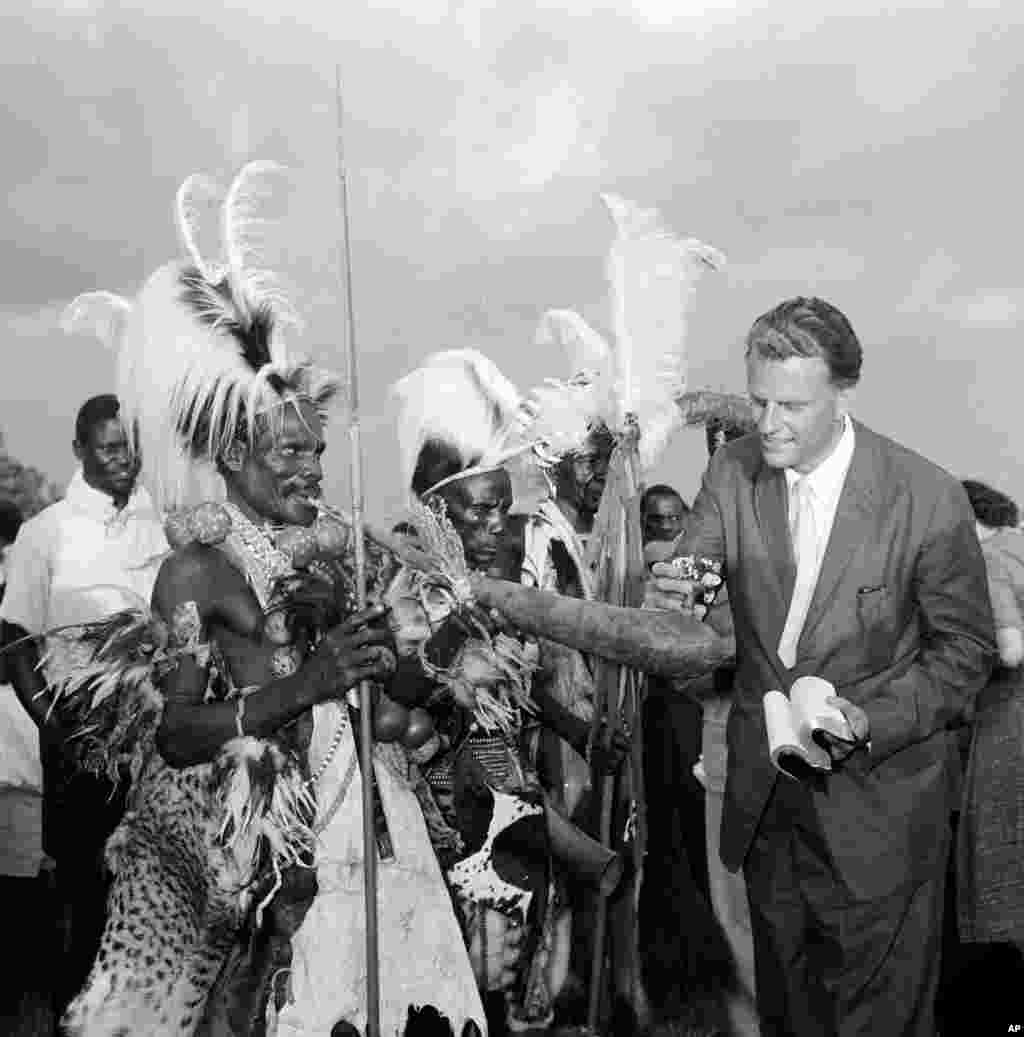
(850, 558)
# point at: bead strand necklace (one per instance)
(264, 565)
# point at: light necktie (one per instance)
(803, 530)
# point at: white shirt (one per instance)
(76, 561)
(81, 559)
(824, 486)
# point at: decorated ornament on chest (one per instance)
(331, 537)
(276, 628)
(285, 660)
(299, 545)
(419, 729)
(390, 720)
(207, 524)
(210, 524)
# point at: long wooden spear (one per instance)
(365, 692)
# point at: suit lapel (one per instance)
(852, 527)
(770, 508)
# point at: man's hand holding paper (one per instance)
(842, 736)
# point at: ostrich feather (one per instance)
(586, 349)
(204, 349)
(191, 375)
(245, 231)
(566, 409)
(197, 207)
(460, 398)
(102, 314)
(652, 274)
(562, 413)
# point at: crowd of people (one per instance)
(182, 786)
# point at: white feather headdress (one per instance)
(203, 352)
(639, 375)
(460, 405)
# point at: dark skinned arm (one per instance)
(613, 746)
(21, 669)
(192, 731)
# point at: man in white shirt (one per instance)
(93, 553)
(850, 558)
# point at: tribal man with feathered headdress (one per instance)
(228, 703)
(469, 448)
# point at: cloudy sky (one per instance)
(866, 153)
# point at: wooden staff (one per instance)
(616, 546)
(365, 691)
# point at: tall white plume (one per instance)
(197, 208)
(246, 229)
(203, 350)
(652, 274)
(102, 314)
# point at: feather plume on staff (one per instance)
(632, 385)
(638, 375)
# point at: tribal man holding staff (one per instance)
(256, 760)
(457, 411)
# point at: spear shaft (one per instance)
(365, 693)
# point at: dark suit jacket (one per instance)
(900, 624)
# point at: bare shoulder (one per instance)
(199, 574)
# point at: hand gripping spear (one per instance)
(365, 692)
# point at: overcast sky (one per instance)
(868, 154)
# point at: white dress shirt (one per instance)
(81, 559)
(823, 487)
(76, 561)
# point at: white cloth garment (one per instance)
(81, 559)
(76, 561)
(813, 499)
(422, 956)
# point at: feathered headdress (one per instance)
(640, 374)
(457, 414)
(203, 351)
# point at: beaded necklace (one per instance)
(264, 565)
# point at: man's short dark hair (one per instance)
(991, 508)
(95, 411)
(660, 490)
(10, 521)
(809, 327)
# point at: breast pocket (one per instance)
(878, 620)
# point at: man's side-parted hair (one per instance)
(991, 508)
(808, 327)
(93, 412)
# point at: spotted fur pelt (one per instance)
(183, 875)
